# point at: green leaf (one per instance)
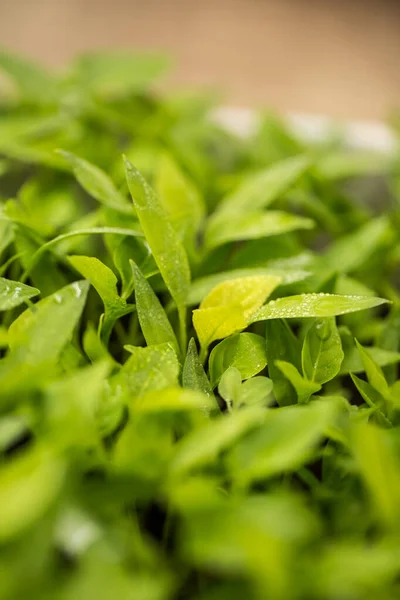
(165, 245)
(40, 333)
(255, 391)
(119, 73)
(261, 189)
(373, 398)
(352, 362)
(236, 227)
(283, 443)
(245, 351)
(97, 183)
(153, 321)
(32, 81)
(378, 466)
(173, 399)
(322, 352)
(354, 250)
(14, 293)
(193, 374)
(315, 305)
(148, 369)
(29, 485)
(282, 345)
(343, 164)
(105, 283)
(203, 445)
(304, 388)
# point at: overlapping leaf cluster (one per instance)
(199, 392)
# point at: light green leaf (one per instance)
(283, 443)
(236, 227)
(29, 486)
(217, 322)
(203, 445)
(153, 321)
(378, 466)
(250, 292)
(255, 391)
(315, 305)
(119, 73)
(229, 387)
(193, 374)
(105, 283)
(180, 198)
(73, 404)
(229, 306)
(148, 369)
(322, 353)
(162, 238)
(245, 351)
(304, 388)
(14, 293)
(203, 286)
(259, 190)
(97, 183)
(172, 399)
(31, 80)
(343, 164)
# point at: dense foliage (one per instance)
(199, 336)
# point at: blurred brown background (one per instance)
(323, 56)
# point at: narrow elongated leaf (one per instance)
(14, 293)
(263, 188)
(322, 352)
(153, 321)
(193, 374)
(162, 238)
(245, 351)
(342, 256)
(352, 362)
(315, 305)
(379, 469)
(180, 198)
(373, 398)
(97, 183)
(304, 388)
(235, 227)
